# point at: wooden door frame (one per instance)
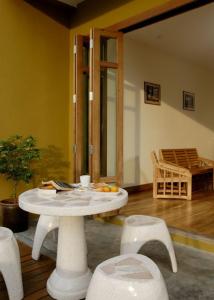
(94, 107)
(156, 14)
(78, 71)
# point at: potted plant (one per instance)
(16, 156)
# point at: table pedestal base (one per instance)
(68, 288)
(70, 279)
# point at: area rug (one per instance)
(193, 281)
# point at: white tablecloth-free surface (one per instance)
(70, 279)
(71, 203)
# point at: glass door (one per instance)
(99, 123)
(106, 105)
(81, 106)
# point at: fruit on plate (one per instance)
(106, 189)
(98, 185)
(114, 189)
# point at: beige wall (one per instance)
(34, 80)
(150, 127)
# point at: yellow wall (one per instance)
(34, 78)
(36, 74)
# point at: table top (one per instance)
(71, 203)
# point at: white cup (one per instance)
(85, 180)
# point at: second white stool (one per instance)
(127, 277)
(44, 226)
(139, 229)
(10, 266)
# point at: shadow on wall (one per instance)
(131, 172)
(148, 127)
(52, 166)
(131, 135)
(175, 75)
(183, 76)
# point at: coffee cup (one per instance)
(85, 180)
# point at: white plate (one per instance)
(106, 193)
(75, 185)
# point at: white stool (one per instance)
(44, 226)
(127, 277)
(10, 264)
(139, 229)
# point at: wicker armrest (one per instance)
(173, 168)
(207, 161)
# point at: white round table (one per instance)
(70, 279)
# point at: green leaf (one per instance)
(16, 155)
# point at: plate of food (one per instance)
(109, 189)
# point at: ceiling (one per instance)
(189, 36)
(71, 2)
(72, 13)
(61, 11)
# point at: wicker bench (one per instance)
(179, 172)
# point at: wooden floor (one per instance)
(196, 216)
(35, 275)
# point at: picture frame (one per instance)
(188, 101)
(152, 93)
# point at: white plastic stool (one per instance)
(139, 229)
(127, 277)
(10, 264)
(44, 226)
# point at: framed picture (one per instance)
(152, 93)
(188, 101)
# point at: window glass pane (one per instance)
(108, 49)
(85, 51)
(85, 108)
(108, 102)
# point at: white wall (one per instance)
(150, 127)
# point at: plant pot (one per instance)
(13, 216)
